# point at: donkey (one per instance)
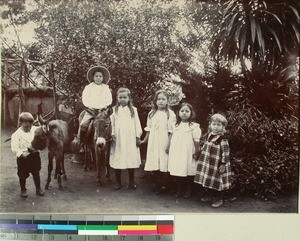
(96, 143)
(51, 135)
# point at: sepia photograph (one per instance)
(149, 106)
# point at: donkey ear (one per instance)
(109, 110)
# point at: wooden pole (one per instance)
(21, 92)
(5, 105)
(53, 80)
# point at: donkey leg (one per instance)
(56, 167)
(63, 167)
(86, 156)
(59, 170)
(98, 166)
(50, 168)
(106, 161)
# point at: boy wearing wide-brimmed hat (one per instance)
(28, 161)
(95, 96)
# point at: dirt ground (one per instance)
(82, 194)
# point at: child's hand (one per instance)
(222, 168)
(138, 141)
(196, 155)
(25, 154)
(31, 149)
(113, 138)
(141, 143)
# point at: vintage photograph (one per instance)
(149, 106)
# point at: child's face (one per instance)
(216, 127)
(123, 99)
(98, 78)
(185, 113)
(26, 126)
(162, 101)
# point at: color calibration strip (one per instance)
(90, 227)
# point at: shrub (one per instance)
(264, 151)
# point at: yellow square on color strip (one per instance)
(137, 227)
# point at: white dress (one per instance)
(124, 153)
(182, 149)
(159, 127)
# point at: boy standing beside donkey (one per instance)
(28, 161)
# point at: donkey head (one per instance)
(40, 140)
(102, 126)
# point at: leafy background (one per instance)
(239, 58)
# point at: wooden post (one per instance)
(4, 89)
(21, 92)
(53, 80)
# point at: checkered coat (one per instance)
(215, 152)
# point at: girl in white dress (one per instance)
(126, 132)
(184, 150)
(159, 124)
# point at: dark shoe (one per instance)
(162, 190)
(206, 199)
(118, 186)
(178, 193)
(155, 187)
(39, 192)
(131, 186)
(188, 193)
(217, 204)
(23, 194)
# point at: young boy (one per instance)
(95, 96)
(28, 162)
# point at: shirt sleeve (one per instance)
(113, 122)
(15, 144)
(107, 96)
(86, 97)
(138, 127)
(225, 151)
(196, 133)
(149, 122)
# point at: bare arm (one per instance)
(169, 142)
(197, 150)
(146, 138)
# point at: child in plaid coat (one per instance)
(214, 169)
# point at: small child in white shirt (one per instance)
(95, 96)
(28, 161)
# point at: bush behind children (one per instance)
(172, 143)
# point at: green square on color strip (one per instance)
(97, 227)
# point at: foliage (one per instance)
(136, 42)
(264, 151)
(190, 49)
(258, 30)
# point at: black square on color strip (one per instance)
(59, 222)
(41, 221)
(131, 222)
(147, 222)
(23, 221)
(112, 222)
(60, 231)
(165, 222)
(8, 221)
(95, 222)
(77, 222)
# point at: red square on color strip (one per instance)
(165, 229)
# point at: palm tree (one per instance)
(267, 34)
(262, 31)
